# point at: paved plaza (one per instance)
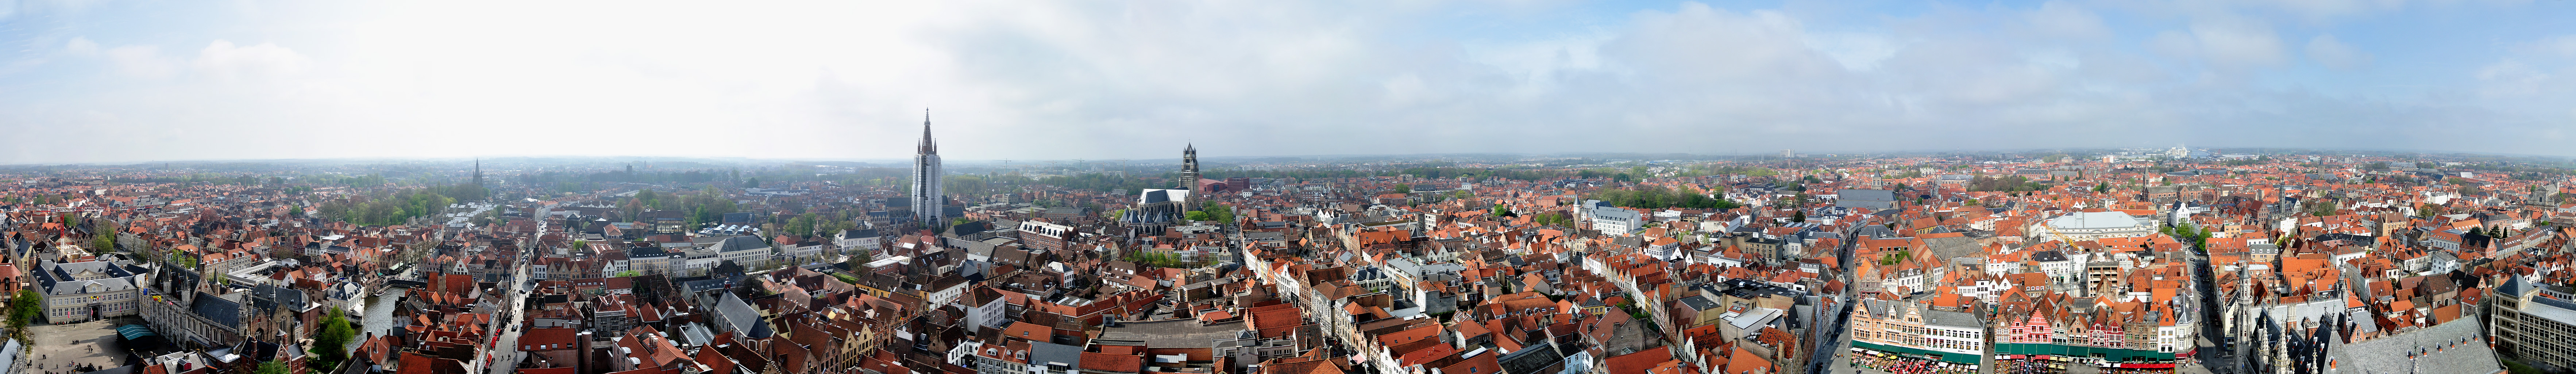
(60, 349)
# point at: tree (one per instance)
(1220, 213)
(104, 240)
(181, 258)
(753, 182)
(331, 345)
(1500, 211)
(271, 367)
(1552, 219)
(803, 224)
(23, 308)
(1798, 217)
(628, 273)
(1403, 188)
(1196, 215)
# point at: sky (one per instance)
(88, 81)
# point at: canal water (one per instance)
(379, 315)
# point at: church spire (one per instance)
(927, 147)
(928, 198)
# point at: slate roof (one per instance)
(736, 315)
(1866, 195)
(2448, 348)
(57, 278)
(1044, 352)
(741, 243)
(1531, 361)
(2553, 309)
(219, 309)
(1699, 303)
(1949, 318)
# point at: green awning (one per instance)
(2111, 354)
(1951, 357)
(132, 332)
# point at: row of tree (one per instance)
(395, 207)
(1661, 197)
(707, 205)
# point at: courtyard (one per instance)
(65, 348)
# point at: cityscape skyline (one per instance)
(1405, 187)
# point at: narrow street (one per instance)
(1835, 332)
(505, 352)
(2212, 357)
(505, 356)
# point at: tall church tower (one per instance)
(1190, 168)
(1190, 176)
(927, 198)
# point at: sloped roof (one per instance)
(2449, 348)
(737, 315)
(224, 310)
(741, 243)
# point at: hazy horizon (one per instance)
(1327, 158)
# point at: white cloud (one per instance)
(1407, 90)
(2174, 45)
(2317, 10)
(1535, 67)
(2238, 44)
(224, 61)
(142, 61)
(80, 46)
(2066, 20)
(2333, 53)
(1855, 51)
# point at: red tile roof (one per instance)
(544, 339)
(1096, 361)
(1637, 363)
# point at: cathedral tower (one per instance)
(1190, 167)
(927, 198)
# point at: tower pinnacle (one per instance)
(927, 146)
(929, 200)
